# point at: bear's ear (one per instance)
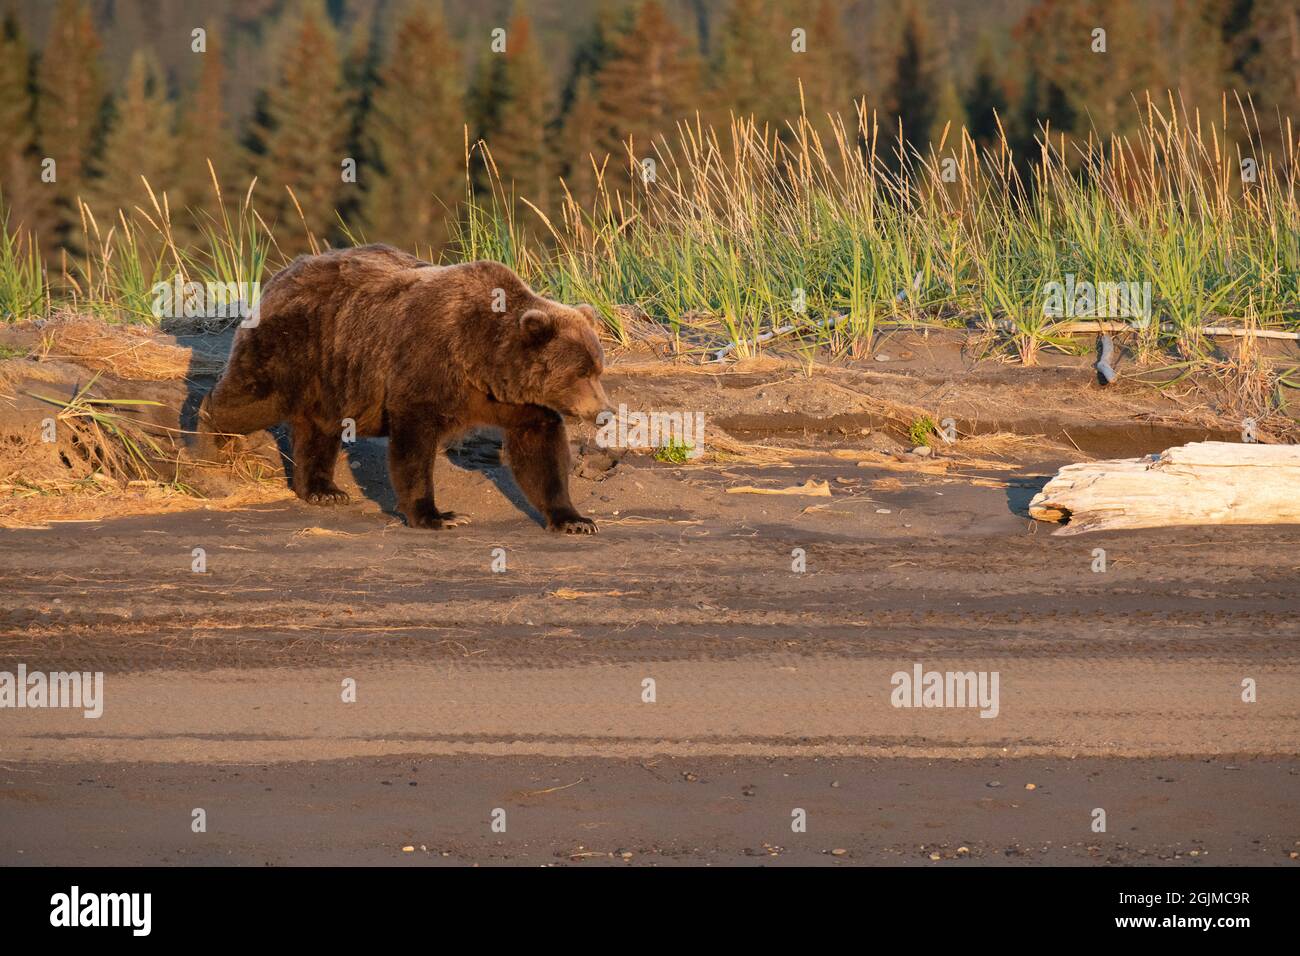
(536, 326)
(591, 314)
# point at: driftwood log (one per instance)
(1209, 482)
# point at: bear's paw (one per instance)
(573, 523)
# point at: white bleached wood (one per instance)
(1210, 482)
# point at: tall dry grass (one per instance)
(832, 232)
(822, 229)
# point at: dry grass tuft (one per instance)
(999, 443)
(1250, 385)
(37, 505)
(124, 351)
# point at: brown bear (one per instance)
(418, 353)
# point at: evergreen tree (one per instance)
(1043, 105)
(518, 140)
(649, 83)
(205, 137)
(1196, 62)
(1112, 81)
(299, 138)
(749, 75)
(986, 100)
(360, 76)
(22, 194)
(949, 117)
(68, 113)
(1239, 40)
(591, 52)
(879, 45)
(414, 134)
(949, 110)
(581, 130)
(1273, 68)
(486, 96)
(140, 142)
(580, 122)
(912, 94)
(1064, 41)
(825, 69)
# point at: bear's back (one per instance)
(346, 325)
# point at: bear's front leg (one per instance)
(413, 442)
(538, 451)
(315, 450)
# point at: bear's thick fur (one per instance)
(418, 353)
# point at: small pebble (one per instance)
(840, 851)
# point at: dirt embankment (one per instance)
(98, 419)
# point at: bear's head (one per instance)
(565, 358)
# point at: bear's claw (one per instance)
(327, 496)
(435, 520)
(574, 525)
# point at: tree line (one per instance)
(369, 125)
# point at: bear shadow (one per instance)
(480, 452)
(207, 349)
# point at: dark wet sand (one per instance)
(1120, 690)
(656, 811)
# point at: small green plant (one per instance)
(922, 430)
(673, 452)
(12, 352)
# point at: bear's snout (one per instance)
(590, 401)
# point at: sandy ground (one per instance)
(500, 668)
(653, 811)
(478, 690)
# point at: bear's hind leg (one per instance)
(315, 450)
(413, 442)
(538, 450)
